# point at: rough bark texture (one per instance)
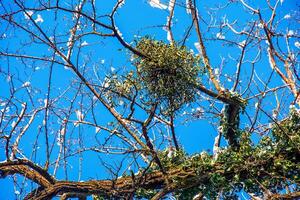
(178, 178)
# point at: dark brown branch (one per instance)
(117, 188)
(291, 196)
(221, 97)
(174, 134)
(177, 178)
(27, 169)
(202, 46)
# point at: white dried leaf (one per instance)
(297, 44)
(97, 129)
(287, 16)
(290, 33)
(260, 25)
(121, 3)
(157, 4)
(13, 124)
(217, 71)
(197, 45)
(188, 7)
(79, 115)
(169, 38)
(84, 43)
(30, 13)
(171, 4)
(39, 19)
(220, 36)
(242, 44)
(26, 84)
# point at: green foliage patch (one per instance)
(272, 164)
(169, 73)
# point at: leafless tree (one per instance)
(62, 104)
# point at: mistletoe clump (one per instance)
(168, 72)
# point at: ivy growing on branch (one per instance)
(266, 168)
(230, 120)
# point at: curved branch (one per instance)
(179, 177)
(29, 170)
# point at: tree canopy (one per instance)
(156, 99)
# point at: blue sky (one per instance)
(135, 19)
